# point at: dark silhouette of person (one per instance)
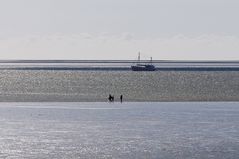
(121, 98)
(110, 98)
(113, 98)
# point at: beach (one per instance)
(47, 112)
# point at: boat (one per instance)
(143, 67)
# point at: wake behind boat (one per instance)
(143, 67)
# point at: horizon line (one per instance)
(115, 61)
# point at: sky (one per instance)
(119, 29)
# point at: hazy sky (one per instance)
(118, 29)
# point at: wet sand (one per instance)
(114, 130)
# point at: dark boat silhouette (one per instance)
(143, 67)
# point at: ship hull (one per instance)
(143, 68)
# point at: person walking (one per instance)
(110, 98)
(121, 98)
(113, 98)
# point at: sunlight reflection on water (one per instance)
(128, 130)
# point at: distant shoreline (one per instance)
(117, 65)
(53, 68)
(119, 61)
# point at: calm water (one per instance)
(66, 85)
(114, 130)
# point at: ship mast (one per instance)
(139, 58)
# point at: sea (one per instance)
(93, 82)
(184, 110)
